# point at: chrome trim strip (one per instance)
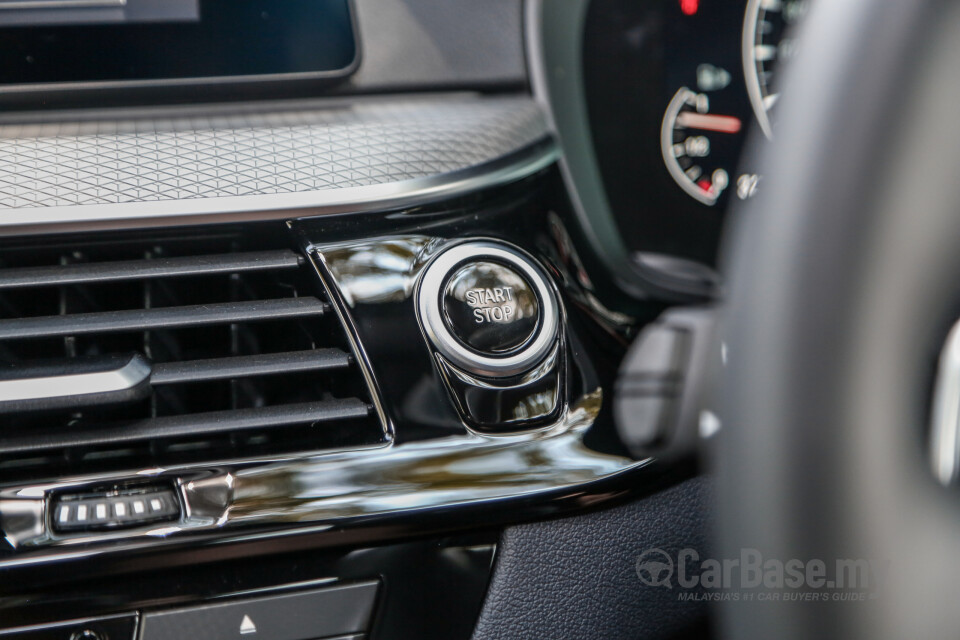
(506, 169)
(335, 297)
(23, 520)
(133, 373)
(945, 420)
(316, 493)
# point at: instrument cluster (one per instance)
(673, 89)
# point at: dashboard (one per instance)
(310, 331)
(673, 90)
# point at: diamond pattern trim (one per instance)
(368, 142)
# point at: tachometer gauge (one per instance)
(699, 147)
(767, 40)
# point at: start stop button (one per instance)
(488, 308)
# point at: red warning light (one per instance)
(689, 7)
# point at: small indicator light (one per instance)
(689, 7)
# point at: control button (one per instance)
(303, 615)
(114, 510)
(648, 390)
(490, 307)
(121, 627)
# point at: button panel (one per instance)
(113, 510)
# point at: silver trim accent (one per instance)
(666, 148)
(133, 373)
(431, 315)
(945, 420)
(23, 520)
(506, 169)
(203, 498)
(335, 297)
(748, 40)
(316, 493)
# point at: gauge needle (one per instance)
(708, 122)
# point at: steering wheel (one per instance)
(844, 282)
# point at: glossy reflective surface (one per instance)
(443, 472)
(261, 524)
(277, 38)
(513, 404)
(373, 284)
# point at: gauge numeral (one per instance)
(764, 52)
(747, 185)
(697, 146)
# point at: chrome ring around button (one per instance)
(431, 315)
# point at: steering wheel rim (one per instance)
(843, 287)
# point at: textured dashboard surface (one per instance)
(410, 44)
(336, 145)
(576, 577)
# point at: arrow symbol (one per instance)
(247, 626)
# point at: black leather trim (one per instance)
(576, 577)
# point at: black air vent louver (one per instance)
(247, 357)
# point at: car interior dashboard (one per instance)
(314, 314)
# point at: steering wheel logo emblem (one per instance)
(655, 568)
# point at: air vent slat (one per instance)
(196, 425)
(126, 270)
(162, 318)
(246, 366)
(246, 360)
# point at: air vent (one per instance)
(235, 354)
